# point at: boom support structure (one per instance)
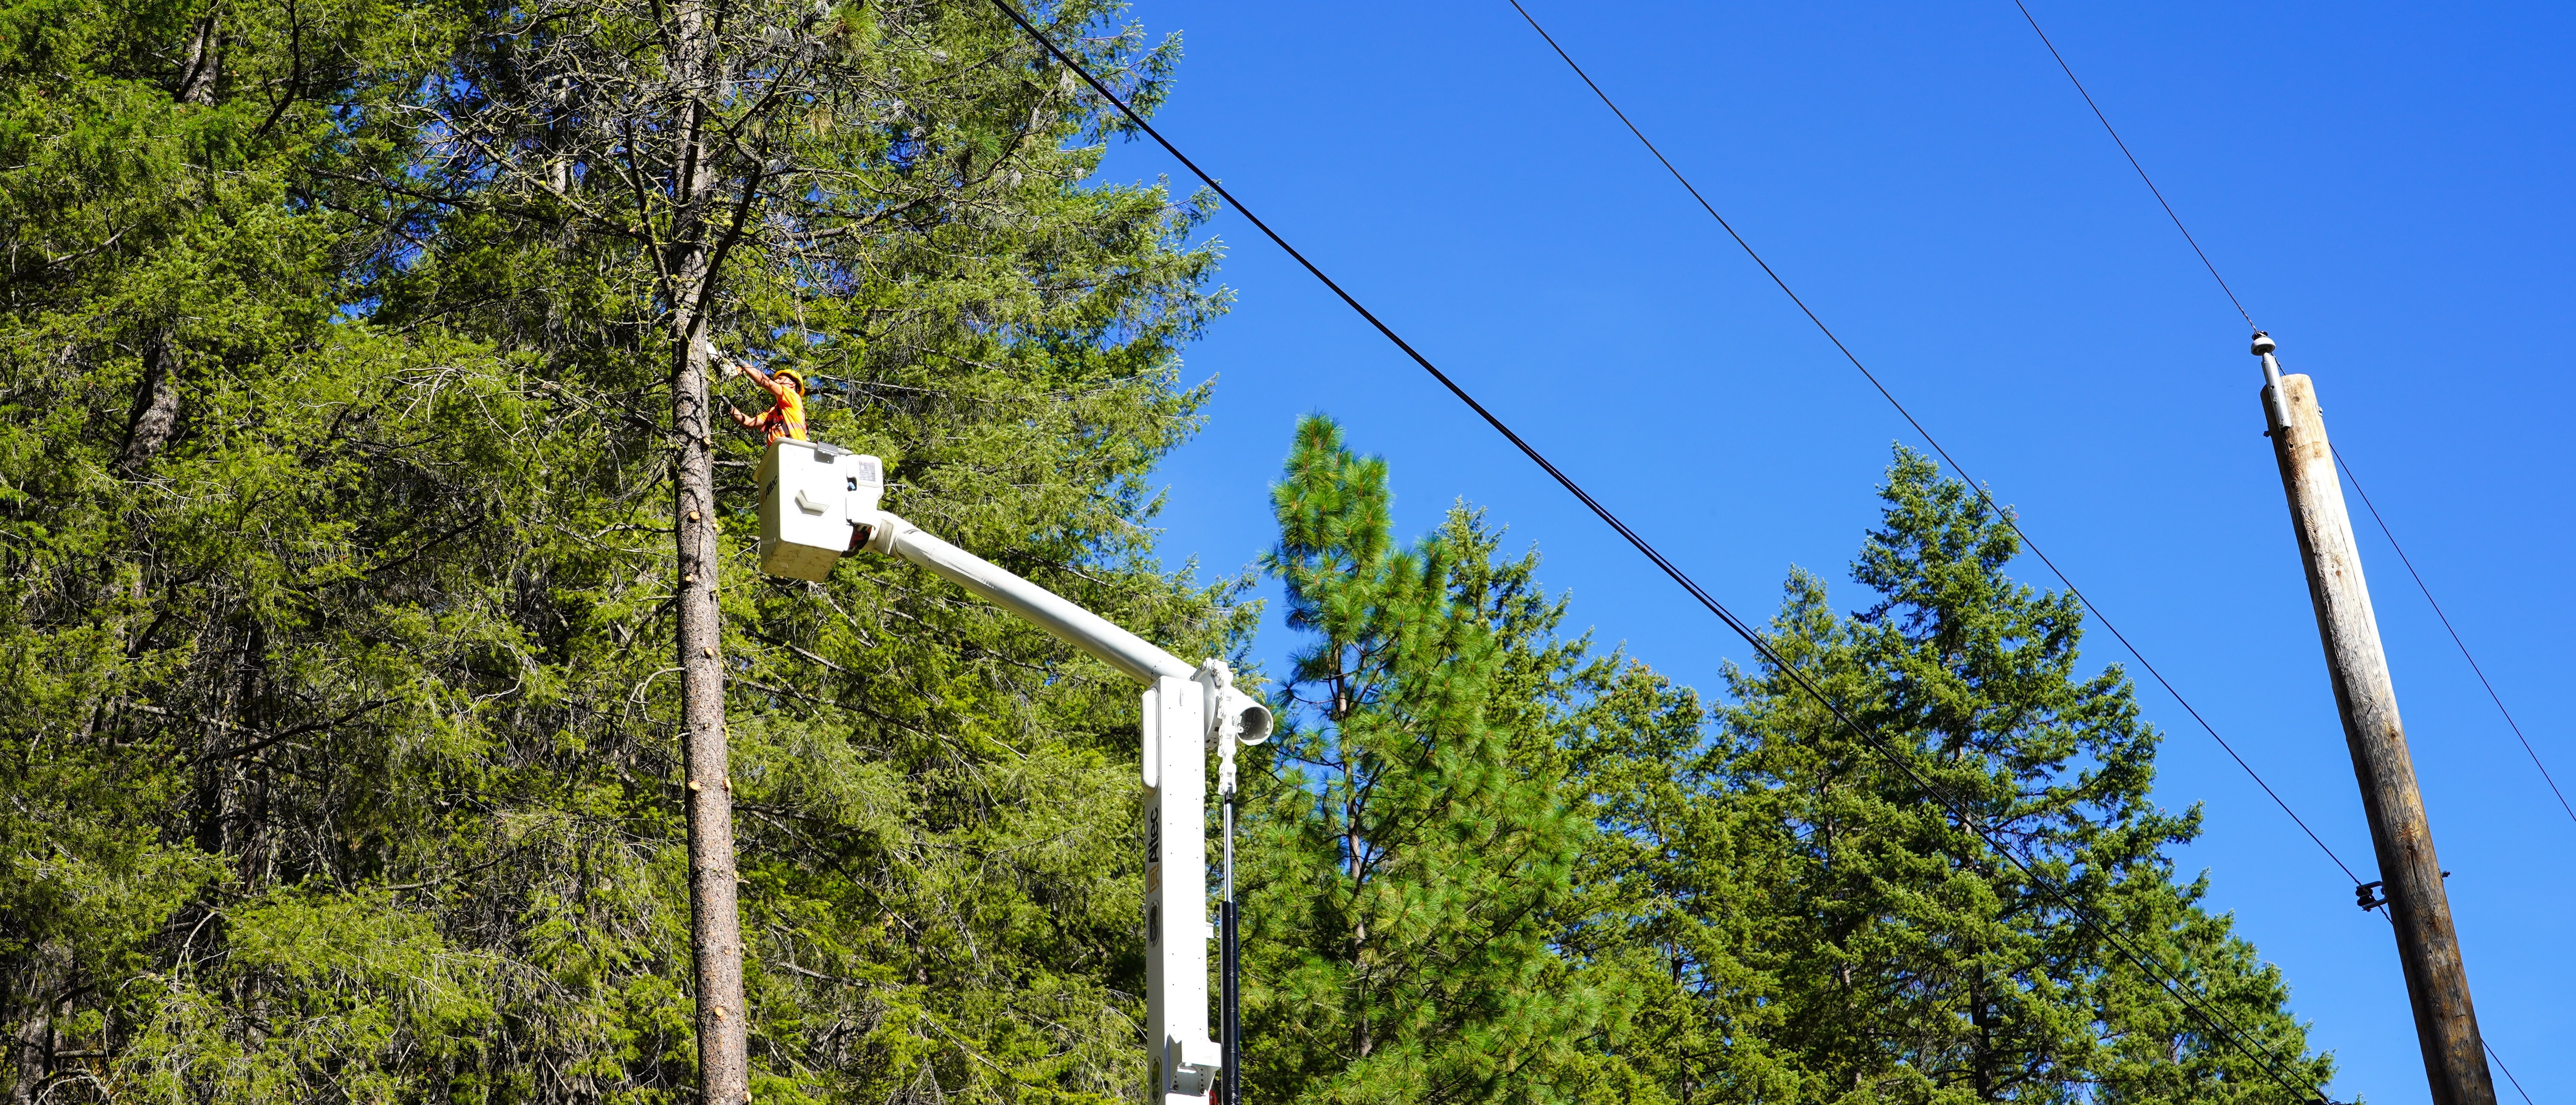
(812, 495)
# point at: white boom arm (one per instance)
(809, 492)
(1187, 710)
(1085, 630)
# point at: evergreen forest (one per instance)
(348, 351)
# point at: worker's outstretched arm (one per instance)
(743, 420)
(777, 391)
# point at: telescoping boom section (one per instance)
(819, 503)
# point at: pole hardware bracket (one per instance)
(2367, 896)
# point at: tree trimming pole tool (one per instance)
(2436, 982)
(818, 502)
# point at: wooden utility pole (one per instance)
(2436, 983)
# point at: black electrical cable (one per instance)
(2234, 1034)
(2347, 468)
(2508, 1072)
(2133, 163)
(1926, 434)
(2447, 627)
(2338, 455)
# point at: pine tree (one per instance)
(1403, 869)
(341, 749)
(1927, 963)
(1674, 913)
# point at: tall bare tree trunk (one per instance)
(715, 923)
(156, 406)
(34, 1040)
(197, 75)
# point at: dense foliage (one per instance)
(338, 743)
(1975, 902)
(339, 720)
(1490, 865)
(1405, 867)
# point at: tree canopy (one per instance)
(344, 405)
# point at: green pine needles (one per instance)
(339, 733)
(1406, 873)
(1488, 865)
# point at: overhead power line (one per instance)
(1926, 434)
(2133, 163)
(2384, 529)
(2447, 627)
(2180, 992)
(2508, 1073)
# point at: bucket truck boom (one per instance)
(819, 502)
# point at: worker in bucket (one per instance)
(786, 419)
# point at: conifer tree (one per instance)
(1674, 912)
(1405, 868)
(341, 745)
(176, 238)
(1924, 964)
(339, 748)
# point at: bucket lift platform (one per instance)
(818, 502)
(811, 493)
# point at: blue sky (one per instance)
(2386, 187)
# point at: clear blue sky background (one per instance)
(2386, 186)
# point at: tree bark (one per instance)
(715, 921)
(156, 407)
(196, 83)
(1364, 1043)
(34, 1040)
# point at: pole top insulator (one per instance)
(2262, 343)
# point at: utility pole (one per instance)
(2436, 984)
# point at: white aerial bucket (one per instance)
(809, 491)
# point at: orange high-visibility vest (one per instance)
(787, 419)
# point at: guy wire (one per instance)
(2508, 1072)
